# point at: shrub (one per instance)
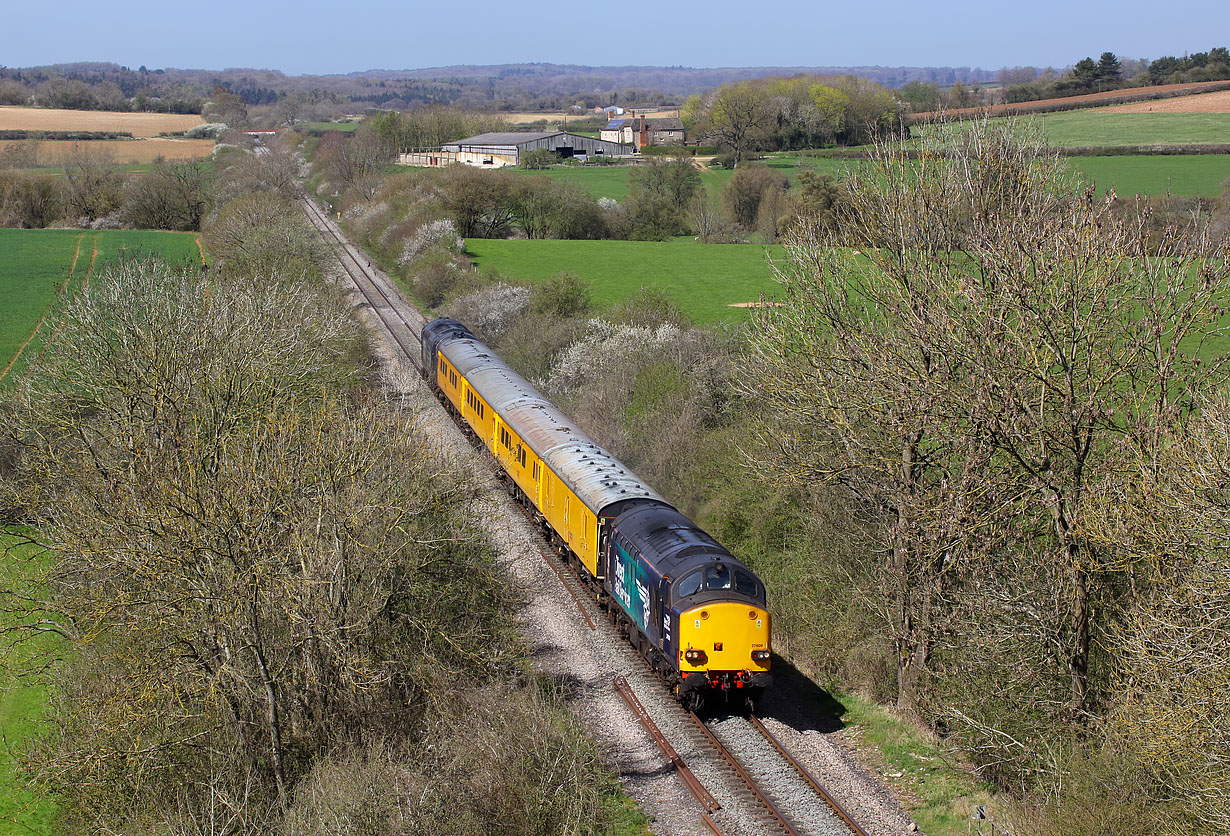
(561, 296)
(440, 234)
(537, 159)
(208, 130)
(29, 199)
(491, 311)
(748, 186)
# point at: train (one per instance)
(696, 613)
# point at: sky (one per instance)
(342, 37)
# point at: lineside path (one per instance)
(556, 623)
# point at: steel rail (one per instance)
(368, 286)
(808, 777)
(689, 779)
(733, 762)
(380, 302)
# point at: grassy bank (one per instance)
(21, 707)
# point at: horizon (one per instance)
(307, 39)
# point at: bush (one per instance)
(747, 188)
(562, 296)
(29, 199)
(169, 196)
(439, 234)
(208, 130)
(539, 158)
(490, 311)
(436, 277)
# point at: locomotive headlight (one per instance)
(760, 656)
(695, 657)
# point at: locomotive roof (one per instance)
(593, 474)
(676, 543)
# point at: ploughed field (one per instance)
(52, 119)
(1201, 103)
(145, 147)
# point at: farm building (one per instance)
(640, 131)
(496, 150)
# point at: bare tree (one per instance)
(94, 185)
(169, 196)
(974, 374)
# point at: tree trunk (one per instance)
(1078, 663)
(905, 642)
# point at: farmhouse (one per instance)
(496, 150)
(640, 131)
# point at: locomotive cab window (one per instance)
(747, 584)
(717, 577)
(689, 585)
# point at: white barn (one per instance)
(496, 150)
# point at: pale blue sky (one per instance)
(341, 37)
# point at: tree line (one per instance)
(1108, 73)
(790, 113)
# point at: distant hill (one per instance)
(677, 80)
(517, 87)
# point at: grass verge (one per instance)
(22, 704)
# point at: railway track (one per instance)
(385, 301)
(778, 794)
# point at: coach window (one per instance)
(688, 586)
(717, 577)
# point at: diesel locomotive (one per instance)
(694, 611)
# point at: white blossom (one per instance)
(606, 347)
(439, 232)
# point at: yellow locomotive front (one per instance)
(723, 634)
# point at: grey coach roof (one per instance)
(594, 475)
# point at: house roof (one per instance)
(669, 123)
(616, 124)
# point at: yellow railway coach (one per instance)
(696, 612)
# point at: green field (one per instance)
(599, 180)
(1100, 127)
(322, 127)
(1197, 175)
(37, 264)
(703, 279)
(612, 180)
(21, 706)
